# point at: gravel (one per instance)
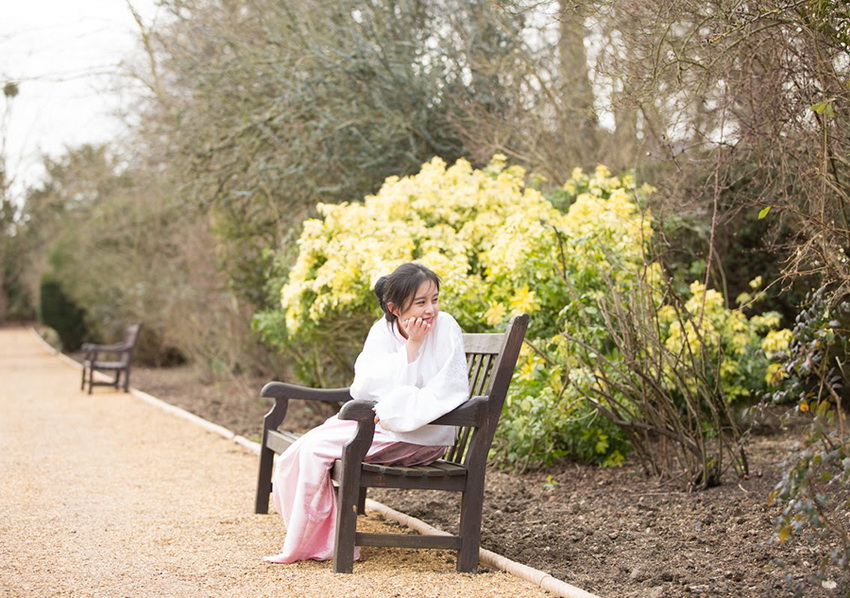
(106, 495)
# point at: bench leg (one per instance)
(361, 501)
(470, 532)
(346, 528)
(264, 481)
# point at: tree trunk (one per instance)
(577, 89)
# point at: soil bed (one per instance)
(610, 531)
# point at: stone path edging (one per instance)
(491, 559)
(488, 558)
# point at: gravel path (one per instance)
(106, 495)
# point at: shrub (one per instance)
(451, 218)
(675, 376)
(59, 312)
(501, 248)
(813, 490)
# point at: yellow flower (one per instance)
(775, 374)
(666, 314)
(523, 300)
(526, 372)
(495, 314)
(776, 341)
(647, 189)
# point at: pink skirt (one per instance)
(304, 494)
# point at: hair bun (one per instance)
(379, 289)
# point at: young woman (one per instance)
(413, 364)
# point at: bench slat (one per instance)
(407, 541)
(107, 365)
(438, 469)
(280, 440)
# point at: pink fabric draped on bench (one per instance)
(304, 494)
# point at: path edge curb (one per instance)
(539, 578)
(491, 559)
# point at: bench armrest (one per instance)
(470, 413)
(283, 390)
(358, 410)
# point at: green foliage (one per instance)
(284, 104)
(744, 348)
(120, 243)
(59, 312)
(545, 420)
(676, 371)
(815, 488)
(815, 363)
(85, 218)
(503, 248)
(19, 302)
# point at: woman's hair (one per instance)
(399, 288)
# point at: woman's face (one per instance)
(425, 305)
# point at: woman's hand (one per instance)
(417, 331)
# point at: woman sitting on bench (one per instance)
(414, 365)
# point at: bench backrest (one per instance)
(131, 337)
(490, 360)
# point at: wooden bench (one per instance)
(491, 359)
(115, 358)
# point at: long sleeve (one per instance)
(410, 395)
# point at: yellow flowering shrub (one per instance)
(494, 242)
(451, 218)
(744, 347)
(500, 248)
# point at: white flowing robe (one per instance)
(409, 396)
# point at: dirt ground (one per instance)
(610, 531)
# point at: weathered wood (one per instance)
(119, 362)
(348, 492)
(280, 440)
(486, 343)
(407, 541)
(435, 470)
(454, 483)
(283, 390)
(491, 359)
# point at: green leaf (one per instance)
(764, 212)
(824, 108)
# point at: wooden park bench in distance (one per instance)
(115, 358)
(491, 359)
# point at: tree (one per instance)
(744, 103)
(8, 216)
(269, 107)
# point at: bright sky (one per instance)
(64, 56)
